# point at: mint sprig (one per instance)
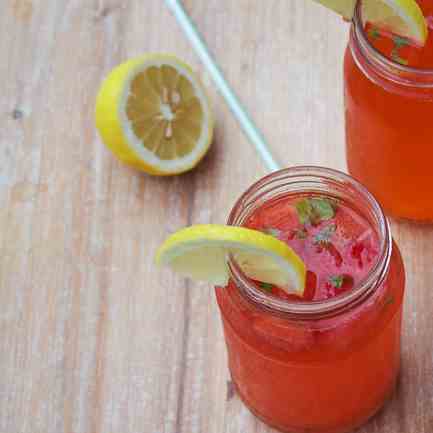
(337, 281)
(305, 210)
(374, 33)
(400, 41)
(325, 235)
(266, 286)
(323, 208)
(398, 59)
(315, 210)
(389, 300)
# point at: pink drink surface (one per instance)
(337, 244)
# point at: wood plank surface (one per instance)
(93, 338)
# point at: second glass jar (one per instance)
(389, 131)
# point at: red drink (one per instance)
(339, 251)
(328, 361)
(389, 105)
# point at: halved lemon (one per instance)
(202, 252)
(154, 114)
(402, 17)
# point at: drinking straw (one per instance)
(245, 121)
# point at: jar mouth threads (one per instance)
(326, 182)
(385, 67)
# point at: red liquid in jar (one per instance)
(388, 119)
(326, 375)
(338, 252)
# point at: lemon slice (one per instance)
(154, 114)
(402, 17)
(202, 251)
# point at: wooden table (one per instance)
(94, 338)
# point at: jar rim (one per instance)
(409, 73)
(312, 175)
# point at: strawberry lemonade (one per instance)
(389, 106)
(326, 360)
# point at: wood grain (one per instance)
(93, 338)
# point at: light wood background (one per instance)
(94, 338)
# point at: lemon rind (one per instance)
(115, 129)
(232, 240)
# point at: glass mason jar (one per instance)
(321, 366)
(389, 132)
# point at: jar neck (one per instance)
(380, 68)
(315, 181)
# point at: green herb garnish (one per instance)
(402, 61)
(305, 210)
(374, 33)
(389, 300)
(271, 231)
(399, 59)
(400, 41)
(266, 286)
(325, 235)
(315, 210)
(337, 281)
(323, 208)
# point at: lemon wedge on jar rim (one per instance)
(153, 113)
(202, 251)
(402, 17)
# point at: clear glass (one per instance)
(389, 132)
(322, 366)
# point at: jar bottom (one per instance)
(344, 429)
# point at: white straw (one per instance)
(248, 126)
